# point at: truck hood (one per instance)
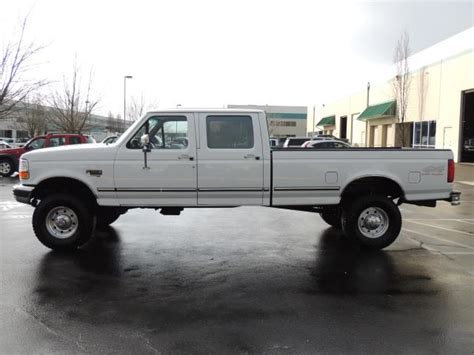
(77, 152)
(12, 151)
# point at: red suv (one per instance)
(9, 158)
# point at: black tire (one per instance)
(106, 216)
(82, 222)
(6, 167)
(332, 216)
(383, 209)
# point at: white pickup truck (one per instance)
(176, 159)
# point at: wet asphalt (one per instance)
(240, 281)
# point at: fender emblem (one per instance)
(94, 172)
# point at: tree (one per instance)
(15, 62)
(401, 85)
(114, 123)
(72, 107)
(138, 107)
(32, 117)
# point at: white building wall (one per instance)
(435, 94)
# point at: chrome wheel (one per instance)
(61, 222)
(373, 222)
(5, 167)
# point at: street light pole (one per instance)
(125, 99)
(86, 118)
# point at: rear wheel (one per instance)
(63, 222)
(6, 167)
(332, 216)
(374, 222)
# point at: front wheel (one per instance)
(63, 222)
(374, 222)
(6, 167)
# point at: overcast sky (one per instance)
(211, 53)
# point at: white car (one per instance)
(294, 142)
(109, 139)
(5, 145)
(325, 144)
(227, 162)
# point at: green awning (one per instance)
(327, 121)
(386, 109)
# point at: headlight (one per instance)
(24, 169)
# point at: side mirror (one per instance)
(145, 139)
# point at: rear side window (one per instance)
(229, 132)
(57, 141)
(297, 141)
(339, 145)
(74, 140)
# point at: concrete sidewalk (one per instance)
(464, 172)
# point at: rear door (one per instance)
(230, 160)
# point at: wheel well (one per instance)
(372, 186)
(9, 158)
(64, 185)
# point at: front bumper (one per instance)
(23, 193)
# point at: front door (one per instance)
(230, 160)
(170, 178)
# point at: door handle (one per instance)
(251, 156)
(185, 156)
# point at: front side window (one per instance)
(165, 132)
(229, 132)
(36, 144)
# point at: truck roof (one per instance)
(214, 110)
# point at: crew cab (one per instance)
(9, 158)
(176, 159)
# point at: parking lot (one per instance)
(240, 280)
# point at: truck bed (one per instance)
(302, 176)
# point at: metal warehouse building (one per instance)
(440, 111)
(283, 121)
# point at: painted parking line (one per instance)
(439, 219)
(438, 238)
(465, 221)
(18, 216)
(437, 227)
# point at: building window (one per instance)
(6, 133)
(283, 123)
(22, 134)
(424, 134)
